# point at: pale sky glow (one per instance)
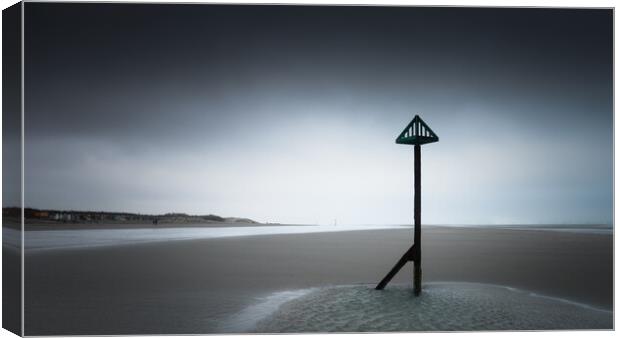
(299, 126)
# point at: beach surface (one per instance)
(235, 284)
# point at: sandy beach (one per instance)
(194, 286)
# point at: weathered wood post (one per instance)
(417, 231)
(416, 133)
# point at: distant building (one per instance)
(40, 214)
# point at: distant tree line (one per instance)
(49, 215)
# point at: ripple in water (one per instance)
(442, 307)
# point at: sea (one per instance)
(41, 240)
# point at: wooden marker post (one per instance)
(417, 231)
(416, 133)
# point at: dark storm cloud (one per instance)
(214, 83)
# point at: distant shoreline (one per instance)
(94, 219)
(112, 226)
(181, 227)
(43, 225)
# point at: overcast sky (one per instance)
(289, 114)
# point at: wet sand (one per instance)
(193, 286)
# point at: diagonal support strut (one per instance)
(407, 257)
